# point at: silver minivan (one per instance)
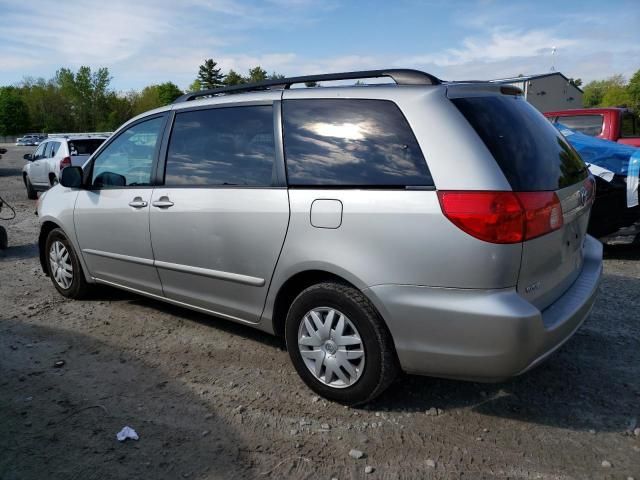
(432, 227)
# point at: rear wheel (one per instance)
(31, 192)
(339, 344)
(53, 180)
(64, 267)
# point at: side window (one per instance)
(222, 146)
(128, 160)
(629, 125)
(40, 151)
(351, 143)
(54, 149)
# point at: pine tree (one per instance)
(210, 76)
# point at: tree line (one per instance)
(83, 101)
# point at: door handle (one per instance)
(163, 202)
(138, 203)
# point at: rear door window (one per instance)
(351, 143)
(531, 152)
(222, 146)
(84, 146)
(588, 124)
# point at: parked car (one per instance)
(30, 140)
(51, 156)
(614, 124)
(375, 228)
(616, 168)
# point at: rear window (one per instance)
(343, 143)
(588, 124)
(84, 147)
(531, 152)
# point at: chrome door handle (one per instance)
(163, 202)
(138, 203)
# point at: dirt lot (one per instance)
(211, 399)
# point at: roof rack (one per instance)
(400, 76)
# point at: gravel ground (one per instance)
(212, 399)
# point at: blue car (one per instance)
(616, 168)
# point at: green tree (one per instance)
(633, 90)
(257, 74)
(14, 115)
(195, 86)
(234, 78)
(595, 91)
(209, 75)
(168, 92)
(576, 82)
(275, 76)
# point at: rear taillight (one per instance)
(65, 162)
(502, 217)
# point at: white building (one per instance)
(548, 91)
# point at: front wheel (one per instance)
(31, 192)
(64, 267)
(339, 345)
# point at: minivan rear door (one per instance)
(219, 221)
(535, 157)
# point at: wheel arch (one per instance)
(298, 282)
(46, 228)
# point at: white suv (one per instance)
(54, 154)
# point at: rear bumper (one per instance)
(483, 335)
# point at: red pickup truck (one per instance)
(615, 124)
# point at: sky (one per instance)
(152, 41)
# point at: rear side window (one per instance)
(336, 142)
(532, 153)
(629, 126)
(588, 124)
(222, 146)
(84, 146)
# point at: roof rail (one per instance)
(400, 76)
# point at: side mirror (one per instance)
(28, 156)
(71, 177)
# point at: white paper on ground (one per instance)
(127, 432)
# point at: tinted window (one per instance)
(128, 159)
(532, 154)
(84, 146)
(222, 146)
(55, 146)
(351, 143)
(587, 124)
(47, 150)
(629, 126)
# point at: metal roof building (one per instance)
(547, 91)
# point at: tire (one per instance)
(31, 192)
(4, 241)
(374, 371)
(75, 287)
(53, 180)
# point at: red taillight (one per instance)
(65, 162)
(502, 217)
